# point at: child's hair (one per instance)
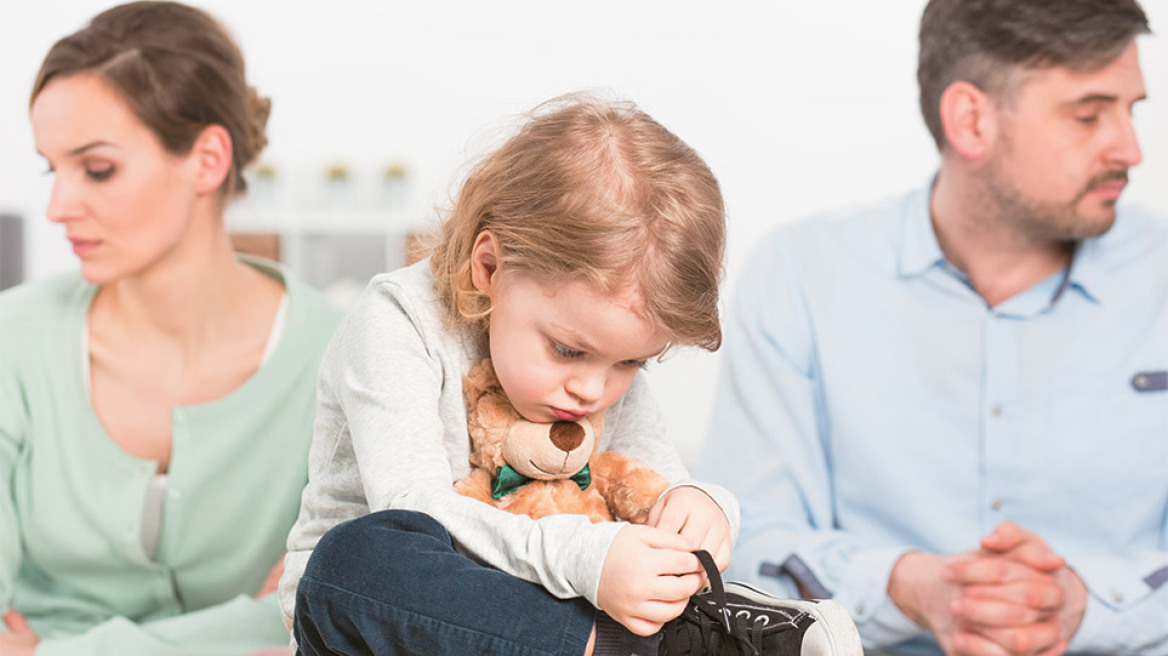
(598, 191)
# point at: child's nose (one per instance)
(588, 388)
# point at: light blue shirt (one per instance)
(871, 403)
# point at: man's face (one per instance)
(1063, 148)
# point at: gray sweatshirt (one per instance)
(391, 432)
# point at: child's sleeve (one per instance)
(380, 443)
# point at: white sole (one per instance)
(833, 633)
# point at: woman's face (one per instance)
(125, 201)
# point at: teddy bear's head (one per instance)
(501, 436)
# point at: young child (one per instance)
(587, 245)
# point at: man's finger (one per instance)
(1026, 593)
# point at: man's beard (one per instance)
(1044, 222)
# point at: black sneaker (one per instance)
(740, 620)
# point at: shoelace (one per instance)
(747, 636)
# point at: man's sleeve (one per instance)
(1127, 605)
(768, 444)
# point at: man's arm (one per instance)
(767, 444)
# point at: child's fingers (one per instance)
(671, 519)
(659, 538)
(674, 589)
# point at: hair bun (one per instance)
(259, 109)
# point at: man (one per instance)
(950, 412)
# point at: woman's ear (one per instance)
(211, 158)
(484, 262)
(969, 116)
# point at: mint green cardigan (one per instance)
(71, 500)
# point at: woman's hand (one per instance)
(692, 514)
(20, 640)
(272, 583)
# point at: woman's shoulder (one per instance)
(47, 299)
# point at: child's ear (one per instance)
(484, 261)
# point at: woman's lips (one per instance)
(83, 246)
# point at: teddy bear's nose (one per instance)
(567, 435)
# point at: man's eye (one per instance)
(1088, 120)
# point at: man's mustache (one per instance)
(1117, 175)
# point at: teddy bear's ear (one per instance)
(480, 381)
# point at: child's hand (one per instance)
(692, 514)
(648, 577)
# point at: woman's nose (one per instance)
(63, 202)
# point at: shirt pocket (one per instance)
(1109, 438)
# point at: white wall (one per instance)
(798, 107)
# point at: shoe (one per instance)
(736, 619)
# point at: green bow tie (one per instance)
(507, 480)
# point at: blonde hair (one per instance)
(598, 191)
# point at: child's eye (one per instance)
(565, 352)
(99, 174)
(636, 364)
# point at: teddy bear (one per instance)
(546, 469)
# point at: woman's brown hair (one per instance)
(179, 71)
(598, 191)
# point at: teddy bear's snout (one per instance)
(567, 435)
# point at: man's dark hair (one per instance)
(983, 41)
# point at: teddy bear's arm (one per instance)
(628, 485)
(476, 485)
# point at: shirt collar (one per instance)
(1086, 269)
(920, 250)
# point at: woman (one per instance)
(156, 409)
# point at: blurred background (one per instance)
(799, 108)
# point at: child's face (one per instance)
(566, 350)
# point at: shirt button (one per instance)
(1141, 381)
(996, 411)
(1117, 597)
(997, 504)
(859, 609)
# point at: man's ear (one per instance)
(484, 262)
(211, 158)
(970, 119)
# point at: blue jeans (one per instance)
(391, 583)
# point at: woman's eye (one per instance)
(565, 352)
(100, 174)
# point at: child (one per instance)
(590, 243)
